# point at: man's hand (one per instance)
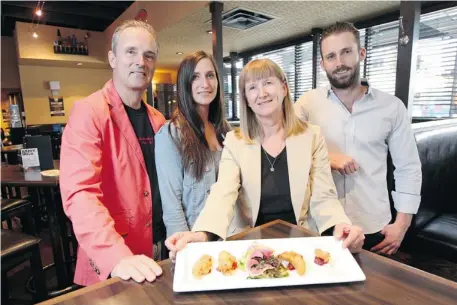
(394, 234)
(342, 163)
(178, 241)
(138, 268)
(353, 236)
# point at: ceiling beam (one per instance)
(70, 7)
(64, 19)
(12, 21)
(118, 4)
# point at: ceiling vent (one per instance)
(243, 19)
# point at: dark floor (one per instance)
(19, 275)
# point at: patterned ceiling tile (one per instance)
(291, 19)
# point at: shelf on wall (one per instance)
(70, 50)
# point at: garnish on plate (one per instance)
(321, 257)
(260, 263)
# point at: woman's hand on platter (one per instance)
(179, 240)
(352, 236)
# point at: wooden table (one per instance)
(13, 176)
(388, 282)
(12, 148)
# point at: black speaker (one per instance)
(43, 144)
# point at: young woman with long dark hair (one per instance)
(189, 146)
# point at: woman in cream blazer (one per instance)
(271, 141)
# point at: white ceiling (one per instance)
(292, 19)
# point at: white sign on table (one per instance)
(31, 163)
(30, 158)
(341, 268)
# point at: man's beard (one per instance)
(348, 82)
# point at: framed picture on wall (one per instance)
(56, 106)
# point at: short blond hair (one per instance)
(250, 129)
(132, 24)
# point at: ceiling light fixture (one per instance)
(179, 53)
(36, 18)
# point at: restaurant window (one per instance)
(321, 76)
(304, 66)
(435, 82)
(381, 62)
(228, 89)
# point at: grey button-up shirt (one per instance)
(379, 122)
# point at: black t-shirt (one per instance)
(275, 200)
(145, 134)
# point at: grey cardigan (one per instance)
(183, 197)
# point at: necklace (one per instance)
(272, 168)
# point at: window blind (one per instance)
(382, 56)
(228, 88)
(321, 76)
(435, 82)
(304, 69)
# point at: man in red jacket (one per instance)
(108, 179)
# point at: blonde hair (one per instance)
(250, 129)
(132, 24)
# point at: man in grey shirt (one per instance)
(360, 125)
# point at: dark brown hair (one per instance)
(338, 28)
(192, 144)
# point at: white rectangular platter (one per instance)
(341, 268)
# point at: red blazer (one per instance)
(104, 184)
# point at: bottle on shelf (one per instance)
(59, 42)
(59, 37)
(73, 43)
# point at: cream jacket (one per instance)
(312, 189)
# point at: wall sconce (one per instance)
(404, 39)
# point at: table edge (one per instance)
(79, 292)
(387, 260)
(87, 289)
(411, 269)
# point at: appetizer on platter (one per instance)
(295, 261)
(322, 257)
(275, 262)
(260, 263)
(227, 263)
(203, 266)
